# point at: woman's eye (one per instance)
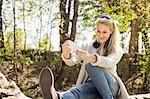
(104, 32)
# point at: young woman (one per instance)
(98, 78)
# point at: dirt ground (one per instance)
(26, 85)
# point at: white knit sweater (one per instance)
(108, 62)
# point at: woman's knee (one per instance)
(90, 67)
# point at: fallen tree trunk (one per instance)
(140, 96)
(9, 90)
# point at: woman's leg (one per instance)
(112, 82)
(105, 83)
(83, 91)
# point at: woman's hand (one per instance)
(66, 50)
(84, 55)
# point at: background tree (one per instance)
(1, 31)
(65, 34)
(14, 43)
(24, 24)
(74, 20)
(134, 39)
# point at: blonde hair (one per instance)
(114, 42)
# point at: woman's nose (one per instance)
(101, 35)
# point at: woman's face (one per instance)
(103, 33)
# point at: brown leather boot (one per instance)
(47, 84)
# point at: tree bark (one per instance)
(74, 21)
(24, 27)
(68, 16)
(14, 63)
(133, 46)
(63, 28)
(63, 32)
(1, 27)
(64, 35)
(133, 43)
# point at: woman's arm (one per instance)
(108, 61)
(70, 61)
(101, 61)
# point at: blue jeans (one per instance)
(83, 91)
(104, 82)
(101, 85)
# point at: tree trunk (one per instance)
(133, 46)
(40, 31)
(63, 28)
(24, 30)
(63, 70)
(1, 27)
(68, 16)
(14, 63)
(74, 21)
(63, 31)
(2, 49)
(24, 27)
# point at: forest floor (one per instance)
(27, 87)
(9, 90)
(26, 81)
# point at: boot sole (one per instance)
(46, 81)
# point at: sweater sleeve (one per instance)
(109, 60)
(72, 61)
